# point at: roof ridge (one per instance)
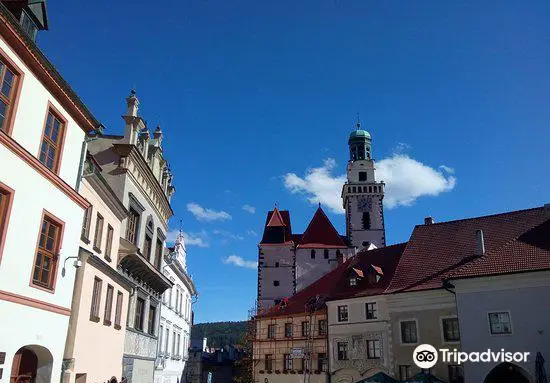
(327, 219)
(481, 216)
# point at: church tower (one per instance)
(362, 195)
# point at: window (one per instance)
(322, 327)
(86, 224)
(322, 362)
(8, 84)
(269, 362)
(408, 332)
(173, 343)
(109, 244)
(158, 254)
(342, 350)
(362, 176)
(177, 300)
(371, 310)
(161, 334)
(451, 332)
(276, 264)
(45, 263)
(132, 225)
(96, 300)
(166, 340)
(98, 232)
(118, 310)
(365, 221)
(456, 374)
(5, 202)
(271, 331)
(275, 283)
(353, 281)
(178, 345)
(373, 349)
(325, 253)
(140, 308)
(28, 25)
(288, 330)
(342, 313)
(52, 142)
(312, 254)
(404, 372)
(147, 247)
(108, 305)
(288, 362)
(500, 323)
(152, 320)
(305, 328)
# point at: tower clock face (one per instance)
(364, 204)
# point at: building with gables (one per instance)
(101, 293)
(288, 262)
(134, 167)
(43, 124)
(175, 316)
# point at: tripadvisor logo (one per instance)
(425, 356)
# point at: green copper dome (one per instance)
(359, 133)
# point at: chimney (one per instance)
(429, 220)
(547, 210)
(480, 243)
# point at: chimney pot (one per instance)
(480, 243)
(429, 220)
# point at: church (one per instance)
(288, 262)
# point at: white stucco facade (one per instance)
(176, 313)
(525, 298)
(36, 318)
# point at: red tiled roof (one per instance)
(320, 233)
(277, 234)
(435, 251)
(276, 219)
(529, 252)
(335, 283)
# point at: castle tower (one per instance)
(362, 195)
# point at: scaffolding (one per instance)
(313, 305)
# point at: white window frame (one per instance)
(379, 349)
(376, 308)
(417, 332)
(443, 341)
(498, 312)
(338, 314)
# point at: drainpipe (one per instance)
(97, 132)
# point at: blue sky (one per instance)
(257, 98)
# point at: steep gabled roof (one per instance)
(434, 252)
(335, 284)
(277, 222)
(320, 233)
(276, 219)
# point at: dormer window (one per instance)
(28, 25)
(353, 281)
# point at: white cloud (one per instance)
(319, 185)
(252, 233)
(406, 180)
(205, 214)
(227, 234)
(191, 239)
(240, 262)
(249, 209)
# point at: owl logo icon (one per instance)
(425, 356)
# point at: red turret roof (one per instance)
(320, 233)
(276, 219)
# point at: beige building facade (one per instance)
(423, 317)
(100, 301)
(281, 344)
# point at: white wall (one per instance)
(525, 296)
(309, 270)
(268, 273)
